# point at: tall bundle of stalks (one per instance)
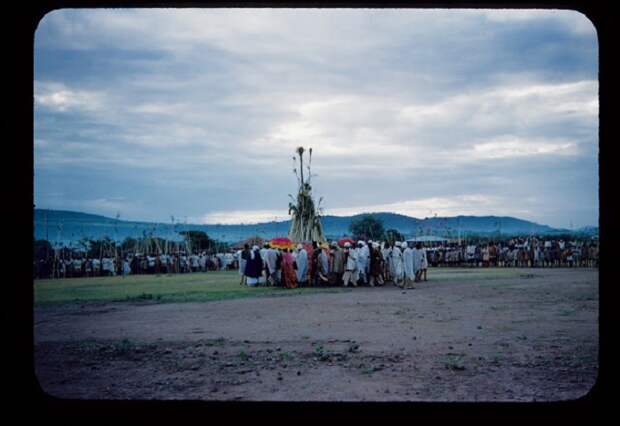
(305, 220)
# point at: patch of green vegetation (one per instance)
(497, 359)
(454, 362)
(122, 347)
(367, 370)
(181, 288)
(88, 346)
(319, 350)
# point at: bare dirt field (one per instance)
(473, 335)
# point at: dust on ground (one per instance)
(530, 337)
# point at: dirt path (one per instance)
(533, 336)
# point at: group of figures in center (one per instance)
(366, 263)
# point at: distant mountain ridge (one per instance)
(61, 226)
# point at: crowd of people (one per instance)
(364, 263)
(518, 252)
(80, 265)
(401, 263)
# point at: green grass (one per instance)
(198, 287)
(454, 361)
(212, 286)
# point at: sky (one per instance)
(195, 114)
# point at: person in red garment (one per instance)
(289, 277)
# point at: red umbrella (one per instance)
(281, 243)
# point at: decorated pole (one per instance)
(305, 218)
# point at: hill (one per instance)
(70, 226)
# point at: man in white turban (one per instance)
(350, 268)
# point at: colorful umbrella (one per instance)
(281, 243)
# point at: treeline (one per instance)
(369, 227)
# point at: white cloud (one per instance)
(510, 147)
(467, 204)
(242, 216)
(58, 97)
(508, 106)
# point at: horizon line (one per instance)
(287, 220)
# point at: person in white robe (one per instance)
(423, 262)
(386, 251)
(324, 262)
(362, 260)
(302, 265)
(241, 262)
(202, 262)
(265, 272)
(350, 268)
(409, 266)
(164, 263)
(417, 261)
(97, 268)
(126, 268)
(397, 264)
(271, 257)
(366, 254)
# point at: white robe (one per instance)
(126, 268)
(362, 258)
(417, 259)
(242, 263)
(424, 259)
(397, 264)
(263, 255)
(271, 256)
(302, 266)
(409, 262)
(351, 264)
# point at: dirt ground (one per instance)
(531, 337)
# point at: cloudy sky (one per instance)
(196, 113)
